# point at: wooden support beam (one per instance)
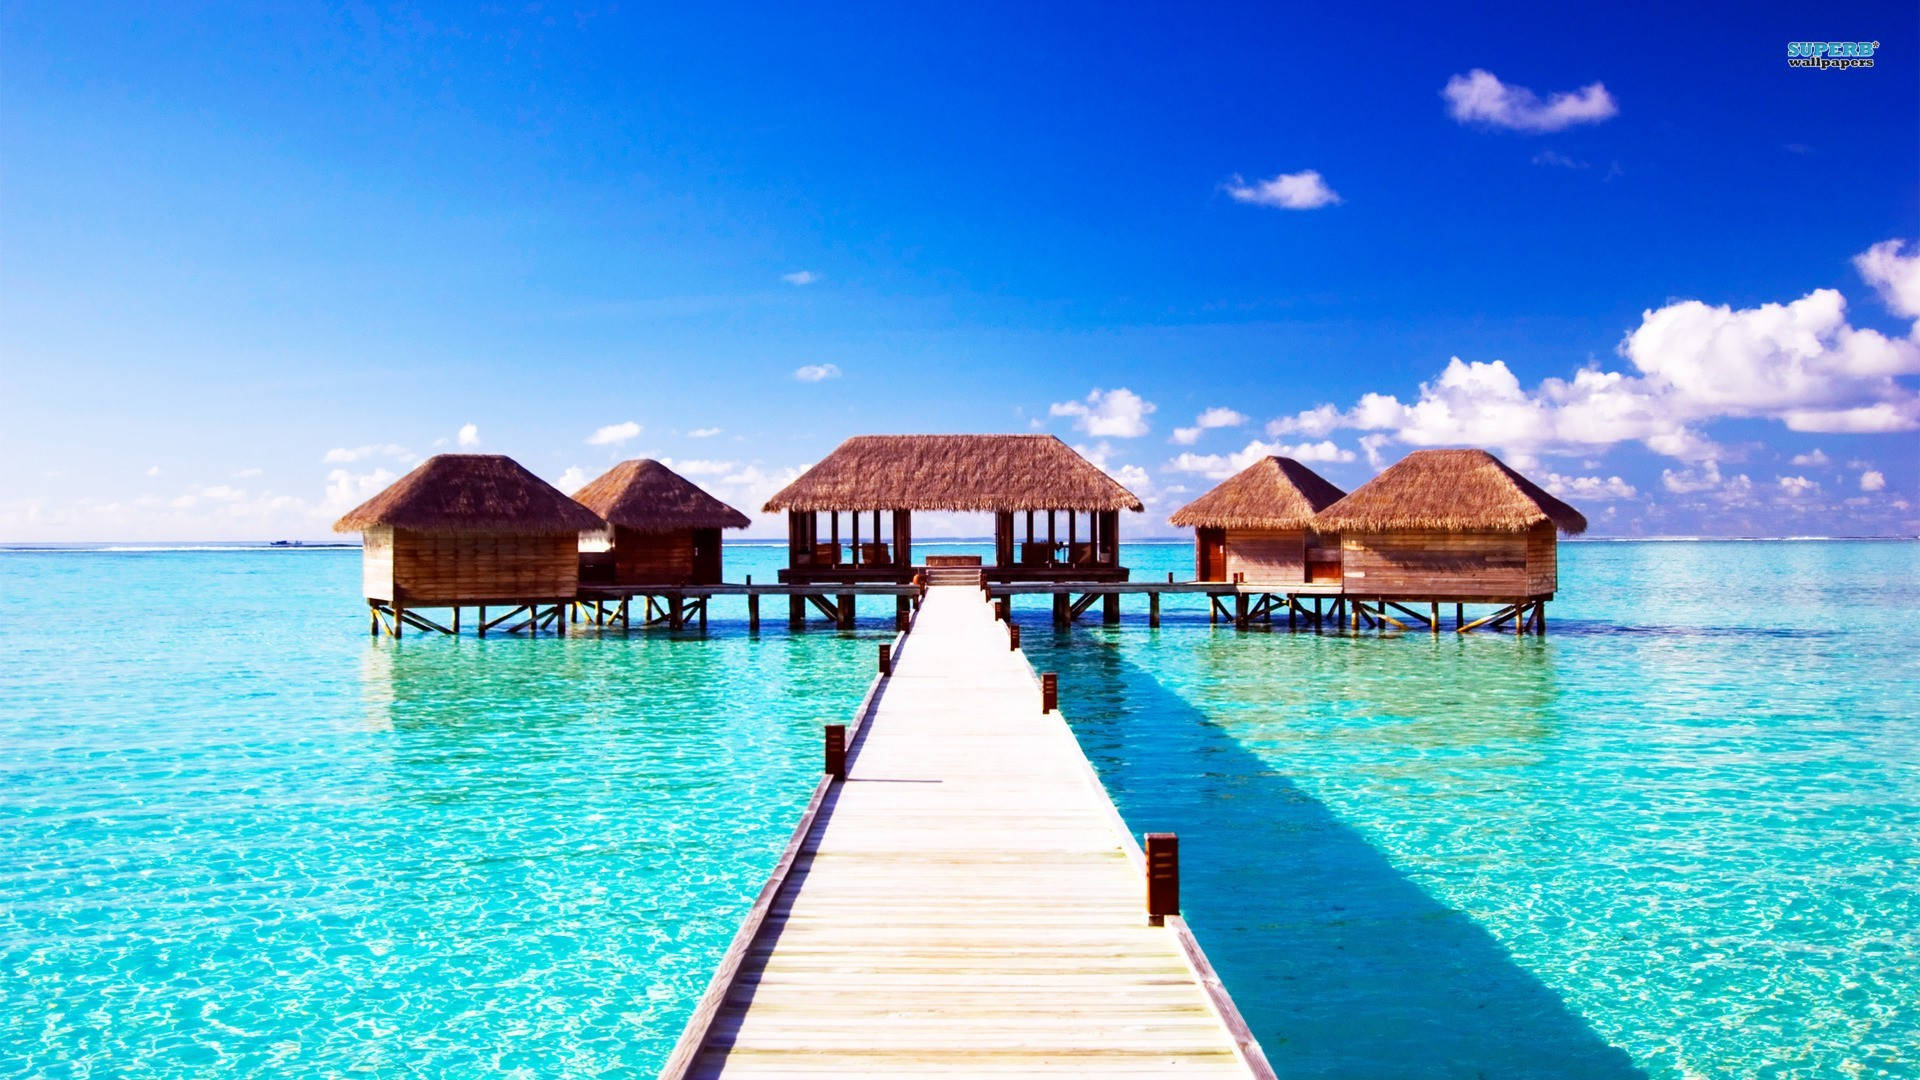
(1079, 607)
(753, 611)
(797, 611)
(845, 620)
(1062, 610)
(1153, 609)
(1239, 611)
(1110, 609)
(676, 612)
(1497, 617)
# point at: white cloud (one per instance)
(1221, 466)
(153, 470)
(572, 480)
(1895, 277)
(613, 434)
(1796, 486)
(346, 490)
(1801, 363)
(247, 474)
(1588, 488)
(703, 433)
(701, 467)
(1288, 191)
(1873, 480)
(1372, 444)
(1554, 157)
(1117, 413)
(816, 372)
(1217, 417)
(469, 435)
(347, 455)
(800, 277)
(1815, 457)
(1478, 97)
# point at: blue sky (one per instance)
(256, 262)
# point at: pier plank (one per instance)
(965, 903)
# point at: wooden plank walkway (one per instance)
(966, 903)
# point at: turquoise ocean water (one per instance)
(1677, 837)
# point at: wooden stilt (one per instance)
(903, 611)
(703, 614)
(560, 618)
(483, 621)
(753, 611)
(1110, 609)
(1540, 618)
(1433, 617)
(1239, 611)
(1497, 617)
(373, 621)
(1062, 610)
(846, 611)
(1459, 616)
(796, 611)
(396, 620)
(1153, 609)
(676, 612)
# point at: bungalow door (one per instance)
(1210, 555)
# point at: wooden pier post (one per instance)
(456, 618)
(1433, 617)
(1110, 609)
(373, 621)
(560, 618)
(836, 758)
(703, 602)
(398, 620)
(1163, 877)
(1013, 637)
(753, 611)
(676, 612)
(845, 621)
(1239, 611)
(1153, 609)
(796, 611)
(886, 658)
(1049, 691)
(1540, 618)
(902, 612)
(1062, 610)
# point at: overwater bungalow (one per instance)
(469, 530)
(1056, 515)
(664, 530)
(1454, 526)
(1256, 527)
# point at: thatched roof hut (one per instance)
(1001, 473)
(1272, 493)
(665, 530)
(1257, 525)
(471, 494)
(1450, 525)
(1005, 475)
(469, 529)
(647, 497)
(1449, 491)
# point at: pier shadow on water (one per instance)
(1342, 965)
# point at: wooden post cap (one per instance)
(1163, 877)
(1049, 692)
(886, 658)
(836, 763)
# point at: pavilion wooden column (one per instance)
(1003, 538)
(903, 538)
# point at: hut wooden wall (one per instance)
(450, 568)
(1275, 556)
(1450, 565)
(680, 557)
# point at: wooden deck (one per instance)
(966, 902)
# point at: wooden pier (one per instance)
(964, 900)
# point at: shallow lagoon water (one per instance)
(1677, 836)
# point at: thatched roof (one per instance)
(1272, 493)
(648, 497)
(1449, 490)
(954, 472)
(471, 493)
